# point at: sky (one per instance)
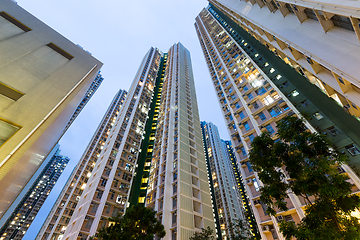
(119, 33)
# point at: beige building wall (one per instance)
(178, 184)
(43, 78)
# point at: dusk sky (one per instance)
(119, 33)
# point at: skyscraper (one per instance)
(178, 187)
(63, 208)
(255, 89)
(320, 39)
(44, 78)
(158, 144)
(226, 192)
(89, 93)
(17, 224)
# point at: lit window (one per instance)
(268, 100)
(294, 93)
(272, 70)
(318, 116)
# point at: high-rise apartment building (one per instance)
(178, 183)
(250, 219)
(256, 88)
(227, 201)
(154, 150)
(89, 93)
(44, 78)
(320, 39)
(23, 215)
(64, 207)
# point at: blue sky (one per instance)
(119, 33)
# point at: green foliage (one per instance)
(240, 230)
(138, 223)
(308, 159)
(205, 234)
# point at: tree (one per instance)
(308, 160)
(240, 230)
(205, 234)
(138, 223)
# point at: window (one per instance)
(260, 91)
(275, 111)
(251, 137)
(341, 80)
(318, 116)
(267, 100)
(242, 149)
(285, 107)
(352, 149)
(255, 105)
(174, 202)
(294, 93)
(246, 88)
(241, 114)
(237, 105)
(333, 131)
(269, 128)
(249, 166)
(256, 184)
(262, 116)
(246, 125)
(250, 96)
(173, 217)
(305, 103)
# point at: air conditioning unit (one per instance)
(279, 218)
(266, 228)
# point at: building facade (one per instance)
(64, 207)
(144, 137)
(255, 89)
(178, 188)
(89, 93)
(312, 37)
(227, 198)
(17, 224)
(44, 78)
